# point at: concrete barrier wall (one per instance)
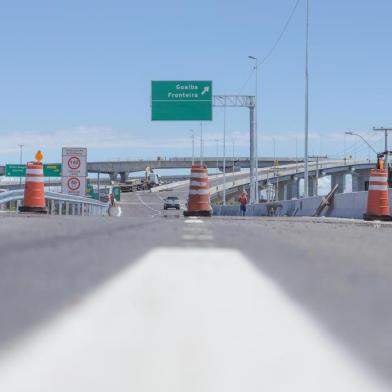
(345, 205)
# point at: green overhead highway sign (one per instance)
(50, 170)
(15, 170)
(181, 100)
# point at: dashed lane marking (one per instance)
(185, 320)
(193, 220)
(147, 206)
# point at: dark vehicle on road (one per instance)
(171, 202)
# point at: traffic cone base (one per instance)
(198, 213)
(383, 218)
(36, 210)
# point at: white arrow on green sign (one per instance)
(181, 100)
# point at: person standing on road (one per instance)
(243, 202)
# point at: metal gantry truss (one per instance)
(245, 101)
(234, 101)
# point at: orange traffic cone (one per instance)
(378, 203)
(199, 193)
(34, 194)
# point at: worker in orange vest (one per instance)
(243, 199)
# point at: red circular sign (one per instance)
(74, 163)
(73, 183)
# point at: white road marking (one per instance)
(193, 220)
(146, 205)
(200, 237)
(184, 320)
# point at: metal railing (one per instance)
(57, 204)
(271, 174)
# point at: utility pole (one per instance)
(224, 154)
(273, 141)
(232, 168)
(217, 154)
(317, 174)
(255, 125)
(306, 172)
(99, 183)
(385, 130)
(201, 143)
(252, 152)
(20, 159)
(193, 145)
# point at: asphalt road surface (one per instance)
(147, 300)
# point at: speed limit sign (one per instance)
(74, 163)
(74, 186)
(74, 171)
(73, 183)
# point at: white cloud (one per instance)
(109, 139)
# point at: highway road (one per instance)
(147, 301)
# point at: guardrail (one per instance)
(283, 171)
(58, 204)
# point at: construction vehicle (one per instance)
(151, 179)
(131, 185)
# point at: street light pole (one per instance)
(20, 159)
(232, 142)
(357, 134)
(217, 155)
(306, 172)
(256, 132)
(201, 143)
(385, 130)
(224, 154)
(193, 145)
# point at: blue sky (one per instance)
(79, 72)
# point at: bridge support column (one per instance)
(340, 180)
(282, 191)
(123, 177)
(358, 181)
(312, 186)
(113, 177)
(293, 189)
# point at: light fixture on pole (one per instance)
(360, 136)
(20, 159)
(193, 145)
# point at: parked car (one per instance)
(171, 202)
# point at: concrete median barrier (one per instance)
(344, 205)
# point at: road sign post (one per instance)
(74, 171)
(181, 100)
